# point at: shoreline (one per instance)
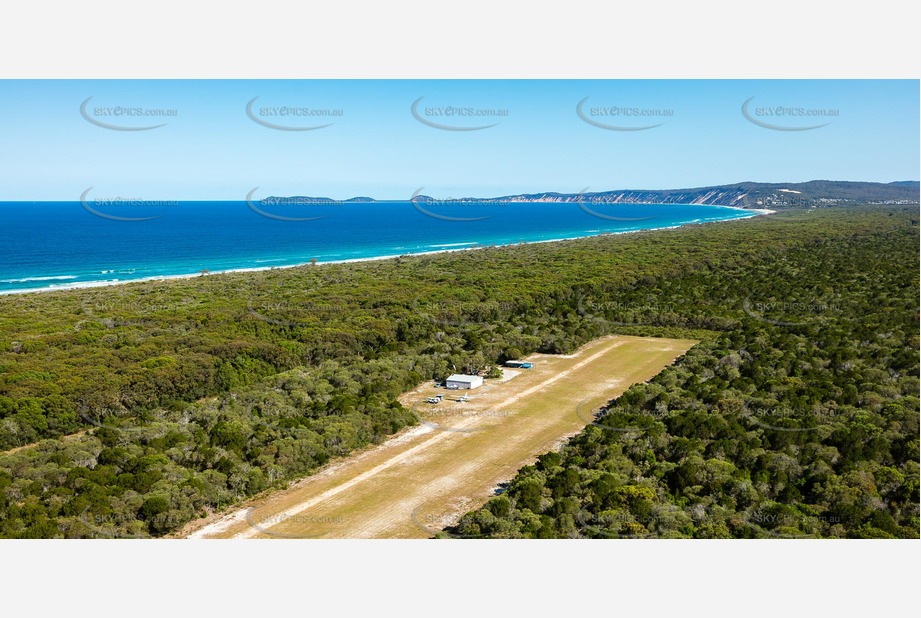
(755, 212)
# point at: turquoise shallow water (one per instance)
(56, 245)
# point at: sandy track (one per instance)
(424, 478)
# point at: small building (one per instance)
(459, 380)
(518, 364)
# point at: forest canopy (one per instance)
(128, 411)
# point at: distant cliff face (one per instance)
(715, 196)
(812, 194)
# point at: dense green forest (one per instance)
(801, 420)
(127, 411)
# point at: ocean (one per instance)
(60, 245)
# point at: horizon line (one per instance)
(498, 197)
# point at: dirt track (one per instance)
(424, 478)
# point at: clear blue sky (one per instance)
(212, 150)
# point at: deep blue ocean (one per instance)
(66, 244)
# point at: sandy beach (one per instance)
(112, 282)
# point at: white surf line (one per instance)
(246, 269)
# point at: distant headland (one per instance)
(812, 194)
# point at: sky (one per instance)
(210, 148)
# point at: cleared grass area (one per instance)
(426, 477)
